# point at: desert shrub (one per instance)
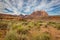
(24, 20)
(52, 24)
(0, 34)
(24, 37)
(19, 27)
(46, 26)
(38, 23)
(11, 36)
(43, 36)
(15, 26)
(22, 31)
(25, 23)
(31, 24)
(41, 21)
(57, 26)
(3, 26)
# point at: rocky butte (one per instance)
(37, 15)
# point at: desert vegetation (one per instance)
(55, 25)
(28, 30)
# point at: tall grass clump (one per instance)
(11, 36)
(58, 26)
(43, 36)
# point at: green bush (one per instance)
(11, 36)
(43, 36)
(55, 25)
(3, 26)
(24, 37)
(52, 24)
(58, 26)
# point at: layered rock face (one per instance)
(39, 13)
(10, 17)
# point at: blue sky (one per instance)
(17, 7)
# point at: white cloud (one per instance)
(42, 6)
(27, 9)
(10, 6)
(20, 4)
(1, 7)
(47, 6)
(53, 3)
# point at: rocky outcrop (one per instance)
(39, 14)
(10, 17)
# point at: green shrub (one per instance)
(11, 36)
(46, 26)
(22, 31)
(25, 23)
(43, 36)
(24, 37)
(57, 26)
(3, 26)
(52, 24)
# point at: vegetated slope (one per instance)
(31, 30)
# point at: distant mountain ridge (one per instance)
(35, 15)
(10, 17)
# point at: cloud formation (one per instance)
(28, 6)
